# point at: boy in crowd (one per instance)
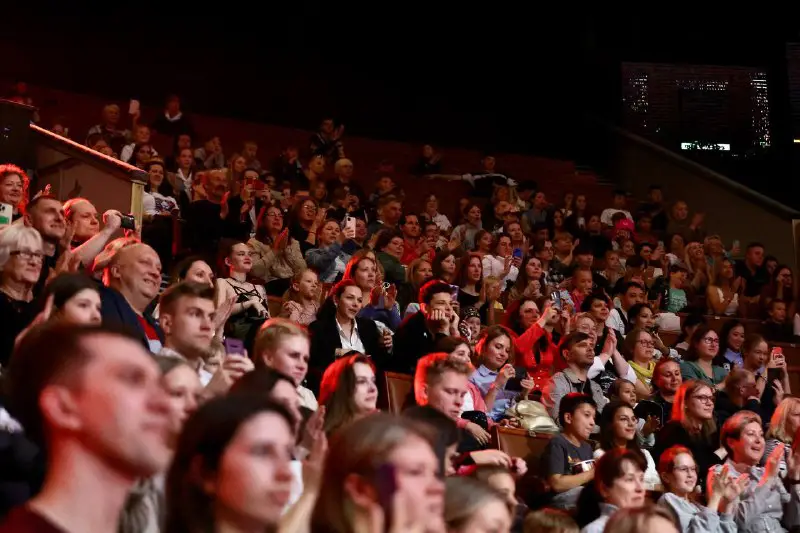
(564, 460)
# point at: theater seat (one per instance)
(397, 387)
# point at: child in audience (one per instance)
(302, 299)
(567, 461)
(625, 391)
(549, 520)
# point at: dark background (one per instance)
(512, 79)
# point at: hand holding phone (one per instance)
(234, 347)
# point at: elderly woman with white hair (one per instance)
(20, 266)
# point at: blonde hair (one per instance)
(292, 295)
(272, 332)
(777, 424)
(16, 237)
(638, 520)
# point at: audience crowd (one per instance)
(228, 365)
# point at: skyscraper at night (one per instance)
(692, 107)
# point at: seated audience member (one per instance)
(418, 334)
(217, 481)
(21, 255)
(501, 479)
(783, 428)
(144, 508)
(731, 339)
(639, 349)
(536, 341)
(775, 328)
(768, 502)
(567, 461)
(250, 309)
(647, 519)
(549, 520)
(631, 294)
(442, 382)
(187, 320)
(698, 364)
(667, 380)
(348, 391)
(692, 426)
(133, 278)
(45, 214)
(302, 299)
(334, 336)
(740, 394)
(75, 299)
(494, 351)
(348, 497)
(95, 455)
(333, 250)
(14, 183)
(471, 505)
(578, 354)
(679, 474)
(618, 430)
(618, 484)
(284, 346)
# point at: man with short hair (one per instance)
(578, 352)
(418, 334)
(92, 397)
(187, 319)
(134, 278)
(631, 294)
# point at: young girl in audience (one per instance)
(74, 299)
(471, 505)
(361, 455)
(348, 391)
(444, 266)
(618, 484)
(618, 427)
(679, 474)
(302, 298)
(222, 475)
(624, 391)
(731, 339)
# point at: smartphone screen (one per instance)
(517, 252)
(6, 214)
(234, 347)
(454, 293)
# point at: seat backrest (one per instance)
(518, 443)
(275, 304)
(397, 388)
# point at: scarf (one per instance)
(644, 374)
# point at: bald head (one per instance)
(135, 272)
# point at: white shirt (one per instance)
(353, 342)
(493, 266)
(154, 203)
(605, 217)
(614, 320)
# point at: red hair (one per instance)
(332, 378)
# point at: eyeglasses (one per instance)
(647, 344)
(704, 398)
(711, 340)
(685, 469)
(27, 255)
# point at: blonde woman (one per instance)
(783, 428)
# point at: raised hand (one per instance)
(772, 465)
(506, 373)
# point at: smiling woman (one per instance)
(14, 188)
(21, 264)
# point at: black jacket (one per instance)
(412, 341)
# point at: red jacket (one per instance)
(550, 360)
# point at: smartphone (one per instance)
(454, 293)
(6, 214)
(350, 223)
(133, 107)
(517, 253)
(556, 298)
(128, 222)
(233, 347)
(386, 486)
